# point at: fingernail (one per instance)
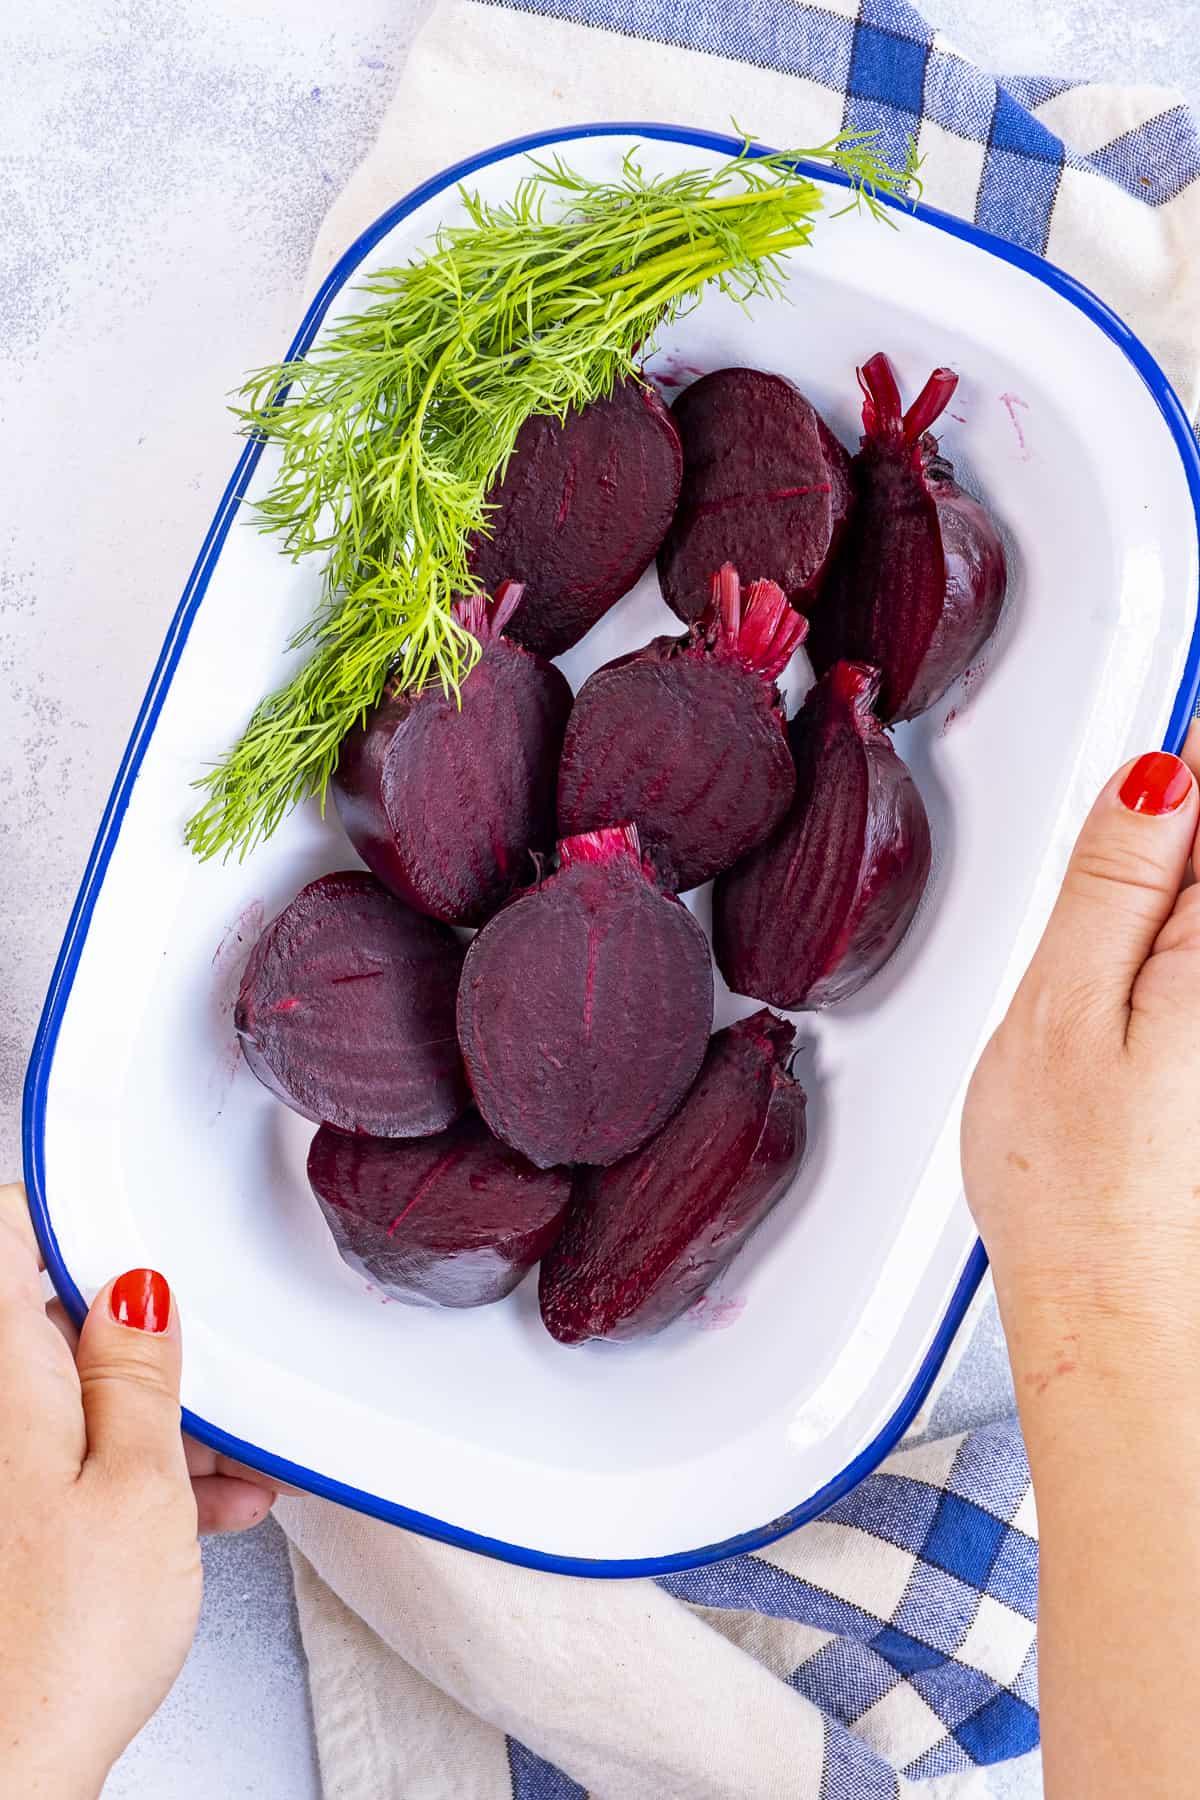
(1157, 783)
(141, 1299)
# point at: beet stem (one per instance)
(601, 846)
(883, 414)
(726, 603)
(486, 618)
(929, 404)
(762, 634)
(858, 684)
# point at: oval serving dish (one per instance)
(147, 1141)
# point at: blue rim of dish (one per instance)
(37, 1078)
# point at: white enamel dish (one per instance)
(148, 1142)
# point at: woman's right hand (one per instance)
(1081, 1139)
(1081, 1156)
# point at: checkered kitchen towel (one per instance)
(888, 1648)
(890, 1643)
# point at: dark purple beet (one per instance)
(643, 1239)
(450, 1220)
(687, 736)
(580, 511)
(445, 803)
(918, 584)
(585, 1006)
(766, 486)
(346, 1011)
(814, 912)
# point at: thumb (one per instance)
(128, 1361)
(1120, 887)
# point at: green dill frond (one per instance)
(394, 427)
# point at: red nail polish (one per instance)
(1157, 783)
(141, 1299)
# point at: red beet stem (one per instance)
(603, 846)
(929, 404)
(486, 618)
(858, 685)
(762, 634)
(883, 414)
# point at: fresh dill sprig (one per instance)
(393, 429)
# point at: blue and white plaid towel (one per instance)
(892, 1642)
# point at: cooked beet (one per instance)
(346, 1010)
(918, 584)
(814, 912)
(644, 1238)
(766, 486)
(585, 1006)
(445, 802)
(688, 736)
(580, 511)
(450, 1220)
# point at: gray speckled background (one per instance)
(166, 166)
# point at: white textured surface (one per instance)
(166, 167)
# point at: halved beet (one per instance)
(346, 1011)
(580, 511)
(919, 582)
(450, 1220)
(688, 737)
(445, 802)
(814, 912)
(766, 486)
(585, 1006)
(643, 1239)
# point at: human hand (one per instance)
(1081, 1155)
(99, 1558)
(229, 1497)
(1081, 1136)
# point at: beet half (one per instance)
(807, 918)
(580, 511)
(687, 737)
(346, 1011)
(646, 1237)
(766, 486)
(918, 585)
(444, 803)
(585, 1006)
(451, 1220)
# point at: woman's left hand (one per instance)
(229, 1497)
(99, 1557)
